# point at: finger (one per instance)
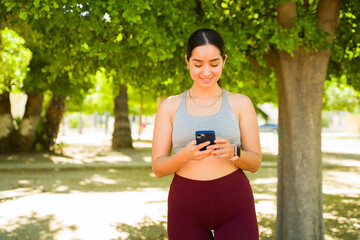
(201, 145)
(220, 151)
(221, 140)
(216, 146)
(221, 156)
(202, 154)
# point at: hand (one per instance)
(222, 148)
(192, 151)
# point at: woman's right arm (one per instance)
(163, 163)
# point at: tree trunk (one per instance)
(301, 81)
(30, 121)
(80, 123)
(122, 133)
(140, 116)
(53, 116)
(301, 86)
(7, 128)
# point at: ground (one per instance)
(87, 191)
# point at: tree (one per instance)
(14, 58)
(54, 67)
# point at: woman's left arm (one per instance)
(250, 158)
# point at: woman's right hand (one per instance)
(192, 151)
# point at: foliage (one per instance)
(345, 52)
(339, 96)
(141, 44)
(14, 60)
(137, 98)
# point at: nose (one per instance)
(206, 71)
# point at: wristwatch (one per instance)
(237, 153)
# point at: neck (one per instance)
(205, 92)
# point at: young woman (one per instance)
(210, 196)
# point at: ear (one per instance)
(187, 62)
(224, 60)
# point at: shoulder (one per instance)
(238, 99)
(239, 103)
(169, 105)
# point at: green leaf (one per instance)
(36, 3)
(23, 15)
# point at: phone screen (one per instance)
(203, 136)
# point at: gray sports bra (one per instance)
(224, 123)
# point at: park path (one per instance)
(105, 199)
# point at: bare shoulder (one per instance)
(238, 100)
(170, 104)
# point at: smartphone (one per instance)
(203, 136)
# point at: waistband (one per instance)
(209, 183)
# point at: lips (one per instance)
(206, 80)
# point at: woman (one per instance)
(210, 196)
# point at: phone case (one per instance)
(203, 136)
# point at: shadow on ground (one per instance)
(33, 227)
(84, 153)
(341, 215)
(148, 229)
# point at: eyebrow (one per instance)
(212, 60)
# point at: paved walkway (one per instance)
(92, 150)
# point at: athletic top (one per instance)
(224, 123)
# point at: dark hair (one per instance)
(202, 37)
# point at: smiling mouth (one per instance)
(206, 79)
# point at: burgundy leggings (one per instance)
(224, 205)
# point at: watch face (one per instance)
(238, 151)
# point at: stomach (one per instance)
(208, 168)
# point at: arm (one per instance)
(250, 158)
(163, 163)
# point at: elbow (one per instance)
(158, 173)
(256, 167)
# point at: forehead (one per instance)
(207, 51)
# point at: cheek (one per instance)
(194, 71)
(217, 71)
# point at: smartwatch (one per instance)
(237, 150)
(237, 153)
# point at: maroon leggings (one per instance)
(224, 205)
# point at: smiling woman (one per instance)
(195, 210)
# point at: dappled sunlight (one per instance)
(131, 203)
(341, 216)
(147, 229)
(266, 206)
(342, 182)
(266, 226)
(35, 226)
(97, 179)
(86, 212)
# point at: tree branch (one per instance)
(327, 15)
(286, 13)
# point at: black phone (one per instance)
(203, 136)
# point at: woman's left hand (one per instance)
(222, 148)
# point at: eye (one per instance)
(215, 65)
(197, 65)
